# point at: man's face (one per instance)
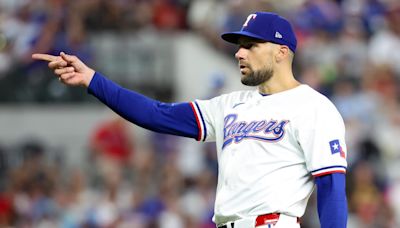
(255, 61)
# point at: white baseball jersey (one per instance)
(269, 148)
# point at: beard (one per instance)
(255, 78)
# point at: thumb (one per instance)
(68, 58)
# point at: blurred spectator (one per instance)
(38, 26)
(111, 11)
(353, 49)
(207, 17)
(7, 215)
(367, 204)
(33, 184)
(386, 40)
(73, 200)
(316, 15)
(382, 81)
(394, 197)
(168, 15)
(104, 212)
(112, 148)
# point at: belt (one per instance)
(267, 219)
(260, 220)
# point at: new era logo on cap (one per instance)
(265, 26)
(278, 35)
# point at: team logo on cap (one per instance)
(250, 17)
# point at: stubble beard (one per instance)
(255, 78)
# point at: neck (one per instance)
(279, 82)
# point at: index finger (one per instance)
(45, 57)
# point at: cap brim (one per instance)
(233, 37)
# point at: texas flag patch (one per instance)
(336, 148)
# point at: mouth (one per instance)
(243, 67)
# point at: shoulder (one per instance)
(225, 100)
(321, 107)
(314, 105)
(239, 95)
(234, 97)
(316, 99)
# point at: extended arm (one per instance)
(175, 118)
(332, 202)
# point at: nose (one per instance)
(240, 54)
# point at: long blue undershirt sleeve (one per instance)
(332, 202)
(169, 118)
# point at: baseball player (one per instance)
(274, 143)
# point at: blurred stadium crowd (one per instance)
(347, 49)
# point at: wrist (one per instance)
(88, 78)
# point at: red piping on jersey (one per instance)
(197, 121)
(329, 172)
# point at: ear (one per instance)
(282, 53)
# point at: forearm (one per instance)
(332, 202)
(176, 119)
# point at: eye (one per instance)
(247, 45)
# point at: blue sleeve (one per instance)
(174, 118)
(332, 202)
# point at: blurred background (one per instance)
(68, 161)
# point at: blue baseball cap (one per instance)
(265, 26)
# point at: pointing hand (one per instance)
(69, 68)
